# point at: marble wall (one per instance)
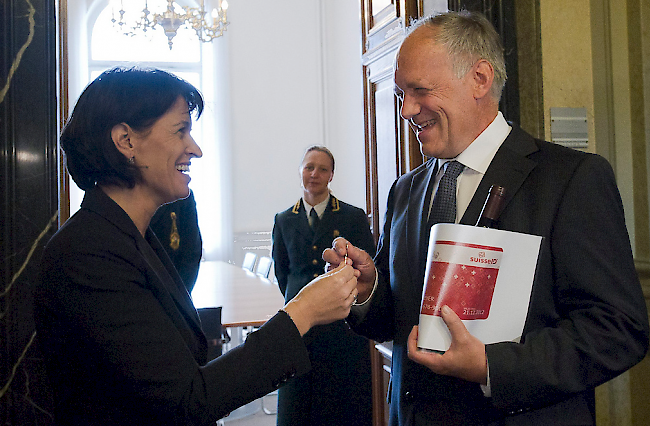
(28, 184)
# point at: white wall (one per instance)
(344, 99)
(295, 80)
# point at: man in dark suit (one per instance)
(587, 321)
(338, 390)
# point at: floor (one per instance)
(259, 417)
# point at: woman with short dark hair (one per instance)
(123, 341)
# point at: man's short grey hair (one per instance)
(468, 37)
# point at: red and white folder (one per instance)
(484, 275)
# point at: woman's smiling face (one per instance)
(163, 154)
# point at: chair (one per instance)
(266, 410)
(264, 266)
(249, 261)
(263, 269)
(214, 332)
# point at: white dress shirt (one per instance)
(320, 207)
(476, 158)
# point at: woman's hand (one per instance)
(325, 299)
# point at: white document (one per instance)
(485, 275)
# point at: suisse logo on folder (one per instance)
(461, 276)
(484, 275)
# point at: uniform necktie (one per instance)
(313, 218)
(444, 203)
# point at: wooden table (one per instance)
(246, 299)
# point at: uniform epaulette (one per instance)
(296, 208)
(335, 204)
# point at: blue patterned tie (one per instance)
(443, 209)
(444, 204)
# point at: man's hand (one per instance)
(464, 359)
(361, 261)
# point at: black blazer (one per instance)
(587, 319)
(122, 340)
(338, 389)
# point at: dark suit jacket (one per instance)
(122, 340)
(587, 320)
(186, 253)
(338, 389)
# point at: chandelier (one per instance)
(171, 21)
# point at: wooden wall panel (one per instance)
(391, 148)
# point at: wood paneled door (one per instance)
(391, 147)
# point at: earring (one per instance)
(132, 160)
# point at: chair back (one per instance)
(213, 330)
(249, 261)
(264, 266)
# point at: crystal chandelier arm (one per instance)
(171, 21)
(204, 31)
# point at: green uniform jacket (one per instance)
(338, 389)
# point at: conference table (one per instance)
(246, 299)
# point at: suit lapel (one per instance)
(169, 276)
(157, 259)
(509, 168)
(419, 200)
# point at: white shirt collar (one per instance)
(320, 207)
(478, 155)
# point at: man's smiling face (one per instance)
(438, 105)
